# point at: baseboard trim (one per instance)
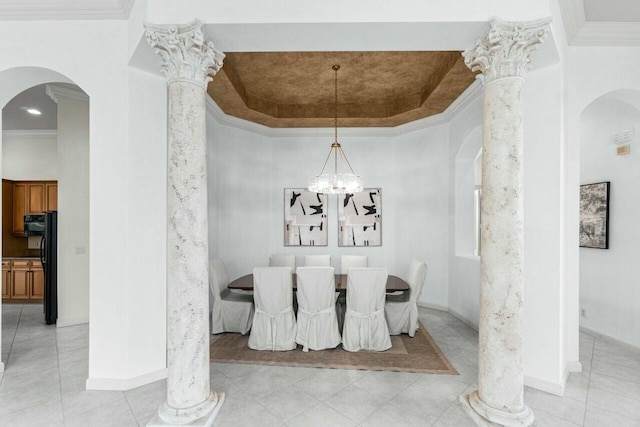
(574, 366)
(470, 323)
(430, 305)
(547, 386)
(607, 338)
(71, 321)
(122, 384)
(454, 313)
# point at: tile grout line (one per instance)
(126, 399)
(15, 332)
(586, 401)
(59, 377)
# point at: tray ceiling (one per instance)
(295, 89)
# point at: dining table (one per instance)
(394, 283)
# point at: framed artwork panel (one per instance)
(594, 215)
(360, 218)
(305, 218)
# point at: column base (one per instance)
(209, 411)
(486, 416)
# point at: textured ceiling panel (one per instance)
(296, 89)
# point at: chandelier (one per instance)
(345, 182)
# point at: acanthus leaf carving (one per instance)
(505, 50)
(184, 53)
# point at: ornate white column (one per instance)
(502, 56)
(188, 61)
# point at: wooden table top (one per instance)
(394, 283)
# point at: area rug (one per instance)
(417, 354)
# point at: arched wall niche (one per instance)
(465, 182)
(609, 293)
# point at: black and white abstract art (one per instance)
(360, 218)
(594, 215)
(305, 218)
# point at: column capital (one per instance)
(505, 50)
(185, 54)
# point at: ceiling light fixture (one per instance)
(33, 111)
(346, 182)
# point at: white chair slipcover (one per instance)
(401, 312)
(283, 261)
(364, 325)
(317, 260)
(348, 261)
(274, 322)
(317, 319)
(231, 311)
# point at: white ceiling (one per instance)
(14, 116)
(612, 10)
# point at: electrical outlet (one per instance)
(80, 250)
(583, 312)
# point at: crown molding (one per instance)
(41, 10)
(30, 133)
(608, 34)
(56, 92)
(581, 32)
(466, 98)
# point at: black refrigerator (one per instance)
(49, 259)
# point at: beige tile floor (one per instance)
(46, 370)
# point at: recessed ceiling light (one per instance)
(33, 111)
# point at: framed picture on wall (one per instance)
(360, 218)
(594, 215)
(305, 218)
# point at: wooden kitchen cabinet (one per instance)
(22, 280)
(36, 291)
(6, 279)
(51, 196)
(35, 199)
(32, 198)
(19, 207)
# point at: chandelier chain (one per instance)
(335, 104)
(336, 183)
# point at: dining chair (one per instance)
(230, 311)
(317, 260)
(401, 311)
(348, 261)
(274, 322)
(365, 327)
(317, 319)
(283, 261)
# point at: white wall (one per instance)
(54, 51)
(147, 221)
(422, 209)
(29, 157)
(73, 209)
(248, 172)
(464, 267)
(609, 279)
(591, 73)
(546, 358)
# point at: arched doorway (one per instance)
(68, 148)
